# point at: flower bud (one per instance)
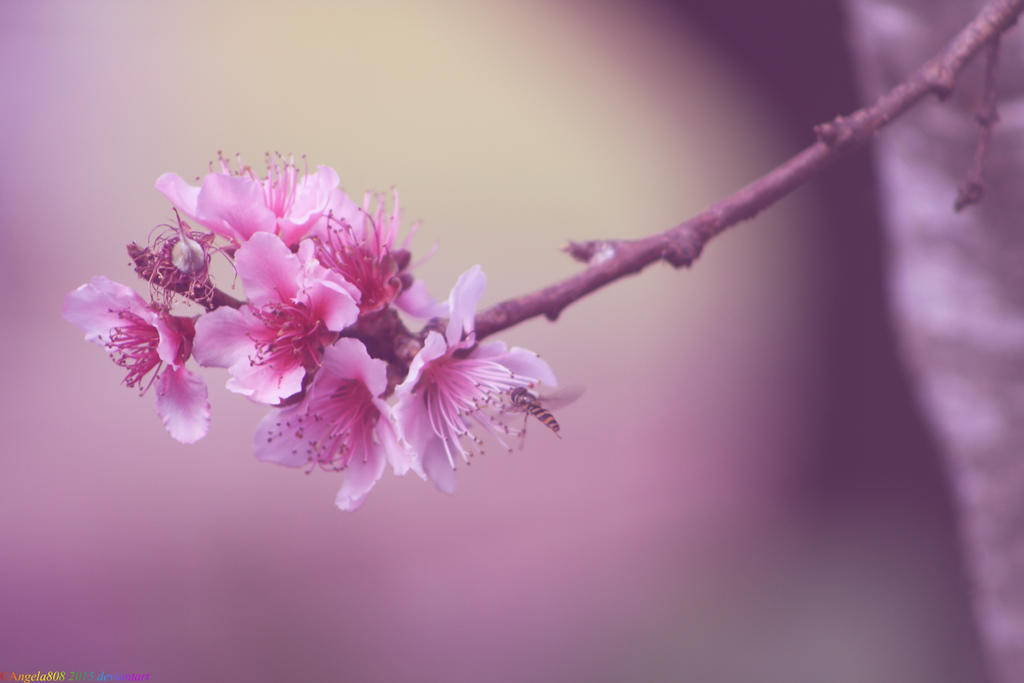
(187, 255)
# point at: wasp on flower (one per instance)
(456, 388)
(540, 406)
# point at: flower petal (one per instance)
(426, 447)
(437, 467)
(433, 348)
(180, 193)
(347, 358)
(177, 333)
(265, 382)
(462, 303)
(224, 337)
(96, 306)
(181, 402)
(519, 361)
(341, 209)
(360, 477)
(279, 438)
(332, 303)
(269, 270)
(417, 302)
(396, 450)
(312, 196)
(413, 422)
(234, 206)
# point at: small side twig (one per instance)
(973, 188)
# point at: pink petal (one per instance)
(277, 437)
(180, 193)
(340, 207)
(338, 282)
(397, 452)
(265, 383)
(234, 206)
(347, 358)
(269, 270)
(417, 302)
(224, 337)
(333, 304)
(519, 361)
(428, 454)
(291, 232)
(306, 253)
(360, 477)
(437, 467)
(181, 402)
(95, 307)
(312, 196)
(410, 414)
(172, 335)
(345, 209)
(462, 303)
(434, 347)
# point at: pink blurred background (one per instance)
(744, 492)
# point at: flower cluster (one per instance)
(318, 337)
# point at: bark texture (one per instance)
(956, 283)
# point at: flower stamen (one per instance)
(365, 260)
(461, 394)
(133, 346)
(298, 335)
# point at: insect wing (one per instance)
(560, 397)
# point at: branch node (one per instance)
(682, 254)
(969, 193)
(983, 118)
(581, 251)
(591, 252)
(942, 82)
(828, 133)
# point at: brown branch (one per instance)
(610, 260)
(973, 188)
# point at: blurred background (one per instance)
(745, 492)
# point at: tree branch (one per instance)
(609, 260)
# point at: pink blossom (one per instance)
(238, 204)
(456, 388)
(295, 309)
(151, 345)
(340, 424)
(359, 244)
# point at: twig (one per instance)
(610, 260)
(973, 188)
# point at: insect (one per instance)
(524, 400)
